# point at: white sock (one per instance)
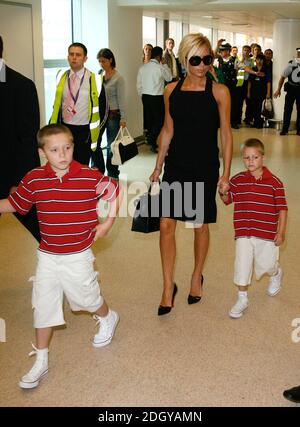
(42, 353)
(243, 294)
(107, 316)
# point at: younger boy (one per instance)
(260, 215)
(66, 194)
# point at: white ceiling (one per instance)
(255, 17)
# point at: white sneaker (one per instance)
(37, 372)
(275, 283)
(238, 308)
(107, 326)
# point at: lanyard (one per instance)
(75, 98)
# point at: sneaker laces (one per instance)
(103, 323)
(98, 320)
(38, 364)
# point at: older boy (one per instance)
(260, 215)
(66, 194)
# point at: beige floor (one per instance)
(196, 355)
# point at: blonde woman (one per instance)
(194, 108)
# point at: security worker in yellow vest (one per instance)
(80, 104)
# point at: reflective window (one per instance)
(57, 36)
(226, 35)
(175, 32)
(204, 30)
(57, 28)
(149, 31)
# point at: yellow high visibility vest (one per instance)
(240, 77)
(95, 123)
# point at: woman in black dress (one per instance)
(195, 107)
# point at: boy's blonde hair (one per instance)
(254, 142)
(53, 129)
(190, 44)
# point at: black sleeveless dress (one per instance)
(191, 173)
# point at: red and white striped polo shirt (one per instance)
(257, 203)
(66, 206)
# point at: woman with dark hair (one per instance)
(259, 88)
(115, 92)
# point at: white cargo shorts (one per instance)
(58, 275)
(253, 253)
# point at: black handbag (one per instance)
(123, 148)
(146, 216)
(267, 109)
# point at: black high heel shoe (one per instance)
(163, 309)
(194, 299)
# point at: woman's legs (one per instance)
(201, 242)
(112, 129)
(168, 253)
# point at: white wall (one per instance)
(125, 40)
(32, 17)
(286, 38)
(105, 25)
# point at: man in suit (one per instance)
(19, 123)
(171, 61)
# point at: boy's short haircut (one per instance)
(53, 129)
(254, 142)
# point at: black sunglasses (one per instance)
(196, 60)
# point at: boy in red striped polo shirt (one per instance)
(260, 216)
(66, 194)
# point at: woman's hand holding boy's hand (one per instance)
(154, 177)
(223, 185)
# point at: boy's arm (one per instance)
(280, 235)
(6, 206)
(224, 197)
(103, 228)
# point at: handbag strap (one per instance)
(152, 186)
(125, 132)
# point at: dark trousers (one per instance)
(82, 147)
(256, 105)
(241, 97)
(155, 114)
(234, 120)
(112, 129)
(292, 95)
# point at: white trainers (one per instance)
(275, 283)
(38, 371)
(238, 308)
(107, 326)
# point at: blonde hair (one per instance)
(190, 44)
(255, 143)
(53, 129)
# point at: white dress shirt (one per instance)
(151, 78)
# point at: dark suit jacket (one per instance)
(19, 123)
